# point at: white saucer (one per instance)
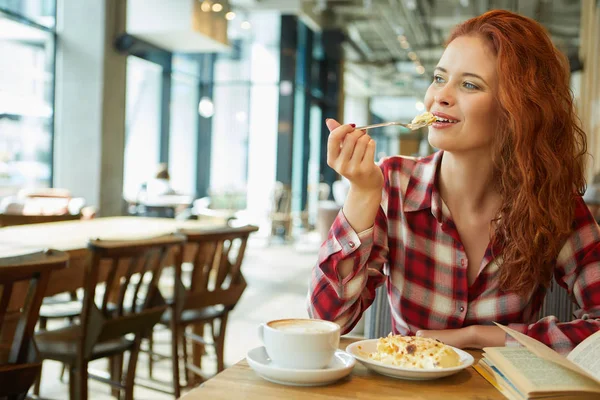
(340, 366)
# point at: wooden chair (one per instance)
(213, 289)
(20, 219)
(19, 365)
(558, 303)
(281, 211)
(113, 320)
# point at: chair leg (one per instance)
(38, 382)
(175, 358)
(150, 353)
(184, 346)
(130, 379)
(36, 387)
(197, 351)
(78, 381)
(116, 373)
(72, 379)
(220, 343)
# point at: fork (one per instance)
(411, 126)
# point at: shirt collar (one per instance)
(421, 192)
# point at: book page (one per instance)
(545, 352)
(587, 355)
(530, 373)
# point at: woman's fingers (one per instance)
(331, 124)
(336, 137)
(349, 145)
(369, 156)
(359, 149)
(334, 141)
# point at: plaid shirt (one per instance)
(415, 249)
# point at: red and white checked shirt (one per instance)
(415, 249)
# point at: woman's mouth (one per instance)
(443, 121)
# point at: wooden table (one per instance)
(241, 382)
(73, 236)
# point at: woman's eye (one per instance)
(438, 79)
(471, 86)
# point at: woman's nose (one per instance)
(444, 96)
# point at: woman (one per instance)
(474, 233)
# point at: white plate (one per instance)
(370, 346)
(340, 366)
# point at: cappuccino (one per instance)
(302, 326)
(300, 343)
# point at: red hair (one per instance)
(539, 148)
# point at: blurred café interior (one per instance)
(164, 124)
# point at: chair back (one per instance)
(558, 303)
(216, 276)
(130, 302)
(282, 199)
(20, 219)
(27, 273)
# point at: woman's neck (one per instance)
(465, 182)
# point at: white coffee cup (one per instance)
(300, 343)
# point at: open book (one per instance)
(536, 371)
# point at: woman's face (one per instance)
(464, 91)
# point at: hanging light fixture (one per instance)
(230, 16)
(217, 7)
(205, 6)
(206, 107)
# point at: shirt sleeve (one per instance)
(577, 271)
(344, 300)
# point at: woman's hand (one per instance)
(351, 153)
(474, 336)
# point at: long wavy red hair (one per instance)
(539, 148)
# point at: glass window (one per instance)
(142, 124)
(245, 96)
(42, 12)
(183, 139)
(26, 106)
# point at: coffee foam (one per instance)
(301, 326)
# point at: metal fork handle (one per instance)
(408, 126)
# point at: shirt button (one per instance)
(351, 244)
(462, 309)
(463, 262)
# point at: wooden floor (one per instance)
(277, 276)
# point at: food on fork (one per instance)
(414, 352)
(426, 118)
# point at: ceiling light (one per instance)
(206, 108)
(217, 7)
(246, 25)
(230, 16)
(419, 106)
(420, 69)
(412, 55)
(404, 44)
(205, 6)
(402, 38)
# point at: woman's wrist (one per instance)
(485, 336)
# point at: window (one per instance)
(41, 12)
(183, 136)
(142, 124)
(26, 96)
